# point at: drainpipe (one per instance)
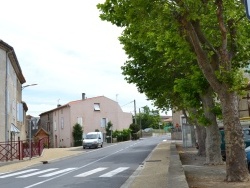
(6, 99)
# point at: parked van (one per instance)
(93, 140)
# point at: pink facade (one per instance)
(92, 113)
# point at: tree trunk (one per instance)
(213, 138)
(236, 167)
(201, 137)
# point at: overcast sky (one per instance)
(65, 48)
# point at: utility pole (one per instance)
(140, 122)
(135, 111)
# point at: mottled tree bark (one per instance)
(201, 139)
(213, 138)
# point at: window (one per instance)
(48, 126)
(20, 112)
(97, 107)
(103, 122)
(62, 123)
(79, 120)
(55, 125)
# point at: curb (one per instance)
(176, 174)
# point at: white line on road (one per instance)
(90, 172)
(17, 173)
(58, 172)
(33, 185)
(36, 173)
(114, 172)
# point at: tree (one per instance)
(108, 128)
(77, 134)
(212, 33)
(198, 96)
(143, 69)
(135, 128)
(148, 118)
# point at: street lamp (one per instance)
(29, 126)
(28, 86)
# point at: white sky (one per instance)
(65, 48)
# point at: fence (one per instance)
(18, 150)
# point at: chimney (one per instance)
(58, 105)
(83, 96)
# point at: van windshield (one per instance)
(91, 136)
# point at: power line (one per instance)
(127, 103)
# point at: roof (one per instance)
(13, 59)
(57, 108)
(69, 103)
(41, 130)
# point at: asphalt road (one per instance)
(107, 167)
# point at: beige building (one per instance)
(92, 114)
(12, 109)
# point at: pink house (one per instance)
(92, 114)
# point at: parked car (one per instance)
(93, 140)
(247, 150)
(246, 137)
(148, 130)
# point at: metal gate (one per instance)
(18, 150)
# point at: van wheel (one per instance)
(83, 147)
(101, 146)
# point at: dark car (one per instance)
(246, 137)
(247, 150)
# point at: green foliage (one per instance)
(217, 111)
(235, 79)
(123, 135)
(159, 49)
(108, 128)
(134, 127)
(77, 134)
(148, 118)
(165, 40)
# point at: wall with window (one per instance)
(12, 124)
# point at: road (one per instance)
(107, 167)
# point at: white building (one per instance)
(12, 109)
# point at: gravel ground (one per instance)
(199, 175)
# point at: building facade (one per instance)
(92, 114)
(12, 109)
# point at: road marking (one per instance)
(36, 173)
(58, 172)
(18, 173)
(114, 172)
(41, 182)
(91, 172)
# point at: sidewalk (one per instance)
(161, 169)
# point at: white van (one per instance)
(93, 140)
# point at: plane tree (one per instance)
(154, 74)
(199, 97)
(214, 33)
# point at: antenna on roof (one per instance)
(116, 96)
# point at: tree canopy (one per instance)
(165, 38)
